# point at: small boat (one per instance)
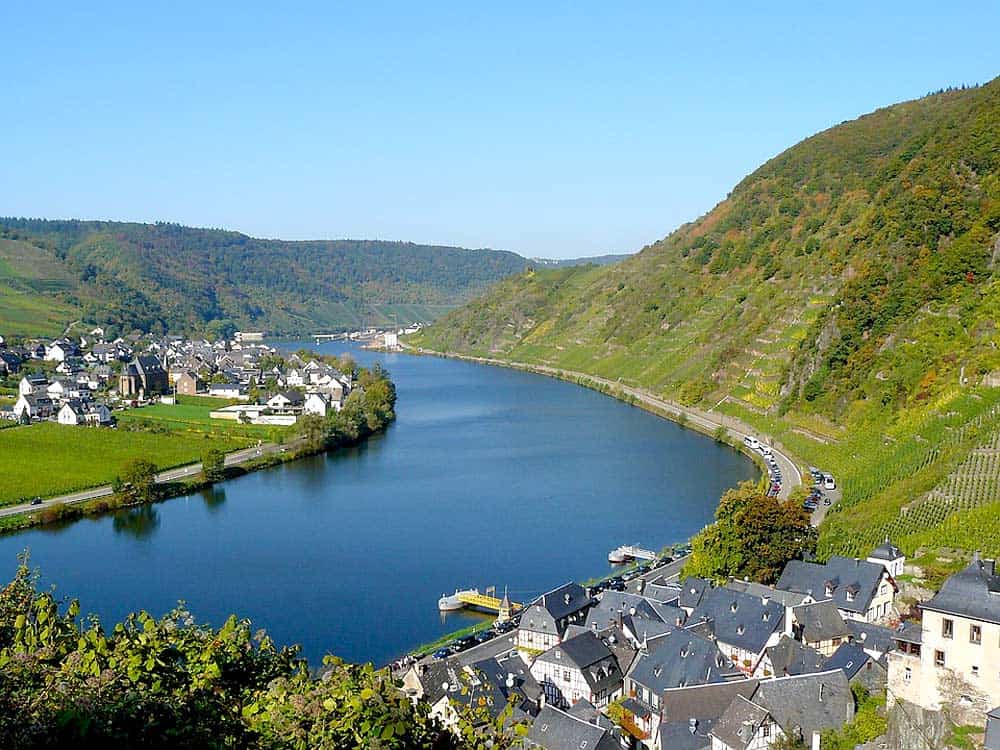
(451, 603)
(617, 556)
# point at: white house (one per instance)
(58, 351)
(287, 402)
(33, 407)
(33, 385)
(319, 403)
(74, 412)
(890, 557)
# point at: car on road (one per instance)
(442, 653)
(484, 636)
(828, 483)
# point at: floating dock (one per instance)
(473, 599)
(630, 552)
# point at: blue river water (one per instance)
(488, 477)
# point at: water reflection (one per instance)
(139, 522)
(214, 497)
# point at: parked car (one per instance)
(828, 483)
(442, 653)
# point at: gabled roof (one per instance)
(741, 620)
(973, 592)
(686, 735)
(564, 601)
(678, 659)
(704, 701)
(691, 591)
(839, 575)
(588, 654)
(789, 657)
(871, 637)
(809, 703)
(558, 730)
(849, 658)
(821, 621)
(785, 598)
(740, 722)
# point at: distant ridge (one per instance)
(158, 277)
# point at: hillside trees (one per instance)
(754, 535)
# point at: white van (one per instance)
(751, 442)
(828, 483)
(765, 449)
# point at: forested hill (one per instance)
(844, 297)
(170, 277)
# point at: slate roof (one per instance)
(738, 619)
(849, 658)
(820, 621)
(789, 657)
(740, 722)
(843, 574)
(585, 711)
(886, 551)
(558, 730)
(704, 701)
(661, 591)
(871, 637)
(785, 598)
(591, 656)
(565, 600)
(993, 730)
(691, 591)
(522, 692)
(811, 702)
(681, 735)
(973, 592)
(681, 658)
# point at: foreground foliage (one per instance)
(173, 683)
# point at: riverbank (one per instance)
(714, 425)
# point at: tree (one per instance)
(139, 479)
(213, 465)
(754, 536)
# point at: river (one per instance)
(488, 477)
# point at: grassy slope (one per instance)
(833, 299)
(49, 459)
(33, 287)
(167, 277)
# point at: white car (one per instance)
(828, 483)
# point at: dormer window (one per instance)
(734, 606)
(740, 630)
(850, 595)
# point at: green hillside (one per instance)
(156, 277)
(845, 297)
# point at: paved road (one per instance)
(707, 421)
(171, 475)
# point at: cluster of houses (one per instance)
(666, 665)
(85, 378)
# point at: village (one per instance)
(662, 663)
(85, 380)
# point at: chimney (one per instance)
(821, 686)
(764, 600)
(566, 598)
(692, 725)
(510, 680)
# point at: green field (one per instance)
(193, 418)
(49, 459)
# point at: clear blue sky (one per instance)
(550, 129)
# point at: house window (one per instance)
(765, 729)
(850, 595)
(975, 634)
(566, 675)
(975, 670)
(947, 628)
(907, 675)
(939, 658)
